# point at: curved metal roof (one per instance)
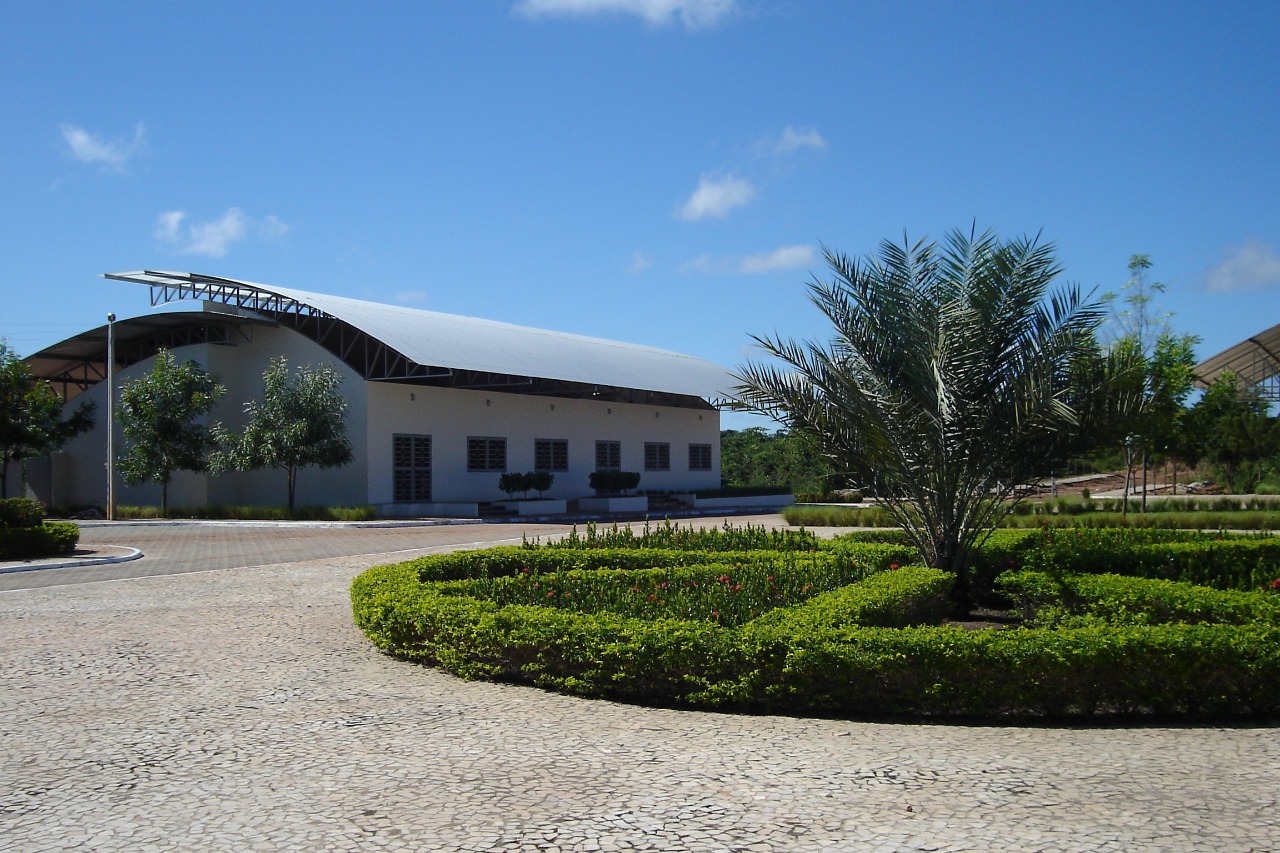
(1256, 360)
(449, 341)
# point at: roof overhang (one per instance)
(78, 362)
(393, 343)
(1256, 360)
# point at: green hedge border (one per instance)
(48, 540)
(808, 661)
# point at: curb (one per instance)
(56, 563)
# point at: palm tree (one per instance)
(951, 379)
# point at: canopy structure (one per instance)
(1256, 360)
(388, 343)
(79, 362)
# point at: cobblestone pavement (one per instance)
(240, 709)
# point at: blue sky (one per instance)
(657, 171)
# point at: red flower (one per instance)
(893, 566)
(737, 587)
(551, 594)
(715, 614)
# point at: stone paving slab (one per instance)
(240, 709)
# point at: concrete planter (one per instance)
(453, 509)
(542, 506)
(619, 503)
(746, 501)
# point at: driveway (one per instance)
(225, 701)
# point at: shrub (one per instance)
(838, 516)
(264, 513)
(613, 482)
(669, 535)
(46, 540)
(512, 482)
(795, 665)
(20, 512)
(1047, 600)
(837, 627)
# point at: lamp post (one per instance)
(111, 417)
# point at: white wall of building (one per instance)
(451, 416)
(80, 471)
(377, 412)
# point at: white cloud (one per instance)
(703, 264)
(781, 258)
(169, 225)
(214, 238)
(639, 263)
(715, 197)
(793, 140)
(410, 297)
(272, 228)
(692, 14)
(1249, 266)
(95, 150)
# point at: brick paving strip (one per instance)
(238, 708)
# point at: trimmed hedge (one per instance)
(1222, 561)
(1047, 600)
(806, 658)
(49, 539)
(20, 512)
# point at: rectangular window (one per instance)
(699, 457)
(486, 454)
(550, 454)
(608, 455)
(411, 468)
(657, 456)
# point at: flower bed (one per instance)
(842, 629)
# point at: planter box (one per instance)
(546, 506)
(620, 503)
(745, 501)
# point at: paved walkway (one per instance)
(238, 708)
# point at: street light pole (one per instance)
(111, 417)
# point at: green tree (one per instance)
(1168, 376)
(1232, 430)
(159, 414)
(757, 457)
(1135, 316)
(31, 417)
(948, 382)
(298, 423)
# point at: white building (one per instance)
(439, 405)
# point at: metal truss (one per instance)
(369, 357)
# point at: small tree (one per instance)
(540, 481)
(952, 376)
(31, 417)
(298, 423)
(613, 482)
(158, 414)
(1233, 431)
(512, 482)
